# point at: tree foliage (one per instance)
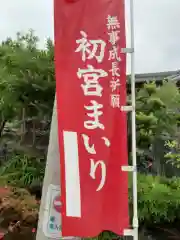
(26, 79)
(22, 171)
(157, 117)
(158, 204)
(27, 88)
(159, 199)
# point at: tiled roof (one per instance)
(158, 76)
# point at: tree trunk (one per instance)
(34, 132)
(2, 125)
(23, 125)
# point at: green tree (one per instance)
(27, 88)
(26, 79)
(157, 120)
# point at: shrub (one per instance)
(158, 204)
(18, 213)
(158, 199)
(18, 205)
(22, 171)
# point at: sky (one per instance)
(156, 22)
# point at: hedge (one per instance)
(158, 199)
(158, 203)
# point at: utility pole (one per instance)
(52, 172)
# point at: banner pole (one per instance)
(133, 168)
(133, 121)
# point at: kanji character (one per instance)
(91, 86)
(113, 54)
(115, 100)
(113, 37)
(115, 69)
(115, 83)
(113, 22)
(103, 172)
(90, 48)
(96, 113)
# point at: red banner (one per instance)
(91, 88)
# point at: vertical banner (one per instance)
(91, 88)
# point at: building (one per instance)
(158, 76)
(141, 78)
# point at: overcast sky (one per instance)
(157, 28)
